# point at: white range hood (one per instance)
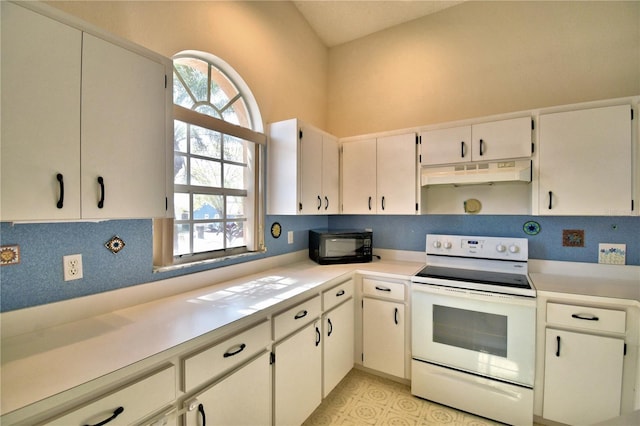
(477, 173)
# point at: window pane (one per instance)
(181, 206)
(180, 136)
(208, 206)
(194, 72)
(205, 173)
(180, 169)
(180, 95)
(205, 142)
(181, 239)
(234, 177)
(235, 207)
(234, 149)
(234, 234)
(207, 237)
(208, 110)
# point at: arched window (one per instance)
(217, 153)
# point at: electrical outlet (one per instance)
(72, 267)
(290, 237)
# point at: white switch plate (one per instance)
(290, 237)
(613, 254)
(72, 265)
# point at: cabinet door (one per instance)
(310, 171)
(123, 132)
(338, 325)
(359, 177)
(396, 174)
(579, 387)
(503, 139)
(330, 175)
(243, 398)
(446, 146)
(383, 336)
(586, 162)
(297, 375)
(40, 116)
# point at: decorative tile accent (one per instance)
(573, 237)
(531, 228)
(115, 244)
(9, 255)
(613, 254)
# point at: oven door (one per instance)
(488, 334)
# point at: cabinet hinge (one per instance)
(300, 134)
(416, 206)
(632, 205)
(624, 353)
(420, 158)
(362, 356)
(272, 359)
(533, 126)
(533, 147)
(166, 203)
(300, 206)
(165, 81)
(417, 140)
(632, 113)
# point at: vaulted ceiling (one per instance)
(340, 21)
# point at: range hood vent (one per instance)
(477, 173)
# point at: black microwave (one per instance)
(341, 246)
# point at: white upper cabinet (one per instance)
(495, 140)
(98, 111)
(41, 63)
(302, 170)
(585, 162)
(380, 175)
(123, 132)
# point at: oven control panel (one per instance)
(478, 247)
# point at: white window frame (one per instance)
(164, 228)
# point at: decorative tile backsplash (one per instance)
(613, 254)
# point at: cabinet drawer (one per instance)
(127, 405)
(225, 355)
(386, 289)
(337, 294)
(294, 318)
(589, 318)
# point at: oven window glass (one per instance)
(338, 247)
(476, 331)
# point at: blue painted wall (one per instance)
(38, 278)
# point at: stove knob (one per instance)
(501, 248)
(437, 244)
(448, 245)
(514, 248)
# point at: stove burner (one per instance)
(475, 276)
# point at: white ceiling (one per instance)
(340, 21)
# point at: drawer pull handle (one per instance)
(383, 288)
(301, 314)
(115, 414)
(586, 317)
(340, 293)
(204, 417)
(330, 327)
(236, 352)
(558, 346)
(61, 199)
(101, 183)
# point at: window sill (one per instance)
(178, 266)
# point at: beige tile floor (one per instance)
(365, 399)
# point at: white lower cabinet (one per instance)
(582, 377)
(338, 331)
(241, 398)
(129, 405)
(383, 334)
(298, 375)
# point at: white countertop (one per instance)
(46, 362)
